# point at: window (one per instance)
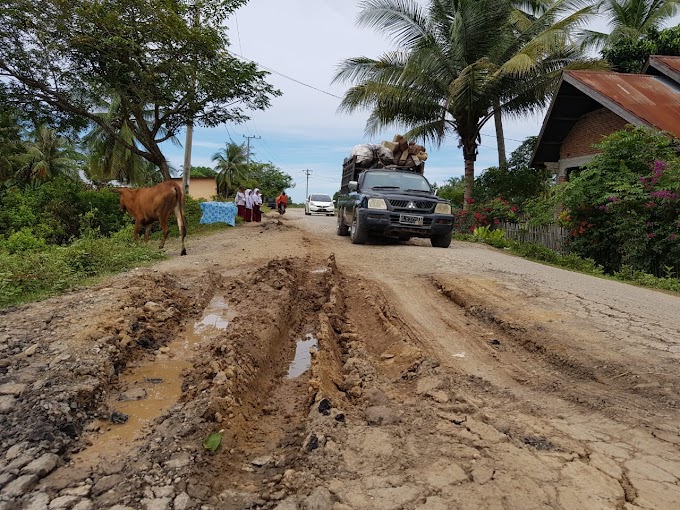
(320, 198)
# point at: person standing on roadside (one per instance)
(257, 205)
(241, 202)
(249, 205)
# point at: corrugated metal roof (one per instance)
(663, 65)
(648, 99)
(672, 62)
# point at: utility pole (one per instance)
(248, 149)
(307, 172)
(190, 131)
(187, 159)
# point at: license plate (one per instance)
(407, 219)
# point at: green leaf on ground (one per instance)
(212, 442)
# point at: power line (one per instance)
(273, 71)
(238, 34)
(504, 138)
(229, 134)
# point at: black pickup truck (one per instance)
(391, 201)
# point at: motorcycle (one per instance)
(282, 209)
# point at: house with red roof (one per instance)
(590, 105)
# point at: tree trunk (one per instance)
(469, 182)
(500, 139)
(165, 169)
(470, 156)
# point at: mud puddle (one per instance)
(152, 387)
(303, 356)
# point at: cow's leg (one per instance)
(164, 227)
(147, 232)
(181, 223)
(138, 226)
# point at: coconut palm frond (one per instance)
(403, 20)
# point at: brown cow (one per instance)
(147, 205)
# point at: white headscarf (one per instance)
(257, 198)
(249, 199)
(240, 198)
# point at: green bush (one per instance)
(624, 208)
(627, 273)
(53, 210)
(21, 241)
(493, 212)
(493, 237)
(30, 275)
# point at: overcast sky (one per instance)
(305, 40)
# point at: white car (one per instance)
(319, 203)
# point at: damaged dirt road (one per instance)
(340, 377)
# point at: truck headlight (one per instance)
(378, 203)
(442, 209)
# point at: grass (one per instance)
(42, 271)
(34, 275)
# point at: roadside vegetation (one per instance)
(570, 261)
(620, 213)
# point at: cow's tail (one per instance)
(181, 219)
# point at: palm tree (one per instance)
(49, 155)
(461, 61)
(231, 166)
(109, 159)
(631, 19)
(542, 26)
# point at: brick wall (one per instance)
(588, 130)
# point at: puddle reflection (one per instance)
(161, 380)
(303, 356)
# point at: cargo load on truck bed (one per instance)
(398, 154)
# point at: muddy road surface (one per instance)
(329, 376)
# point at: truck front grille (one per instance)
(418, 205)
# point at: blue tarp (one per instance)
(214, 212)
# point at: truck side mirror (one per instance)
(353, 185)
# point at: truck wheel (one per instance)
(358, 234)
(342, 229)
(441, 241)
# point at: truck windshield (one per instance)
(396, 180)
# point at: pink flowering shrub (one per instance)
(624, 208)
(491, 213)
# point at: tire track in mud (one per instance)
(565, 370)
(239, 384)
(65, 367)
(497, 431)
